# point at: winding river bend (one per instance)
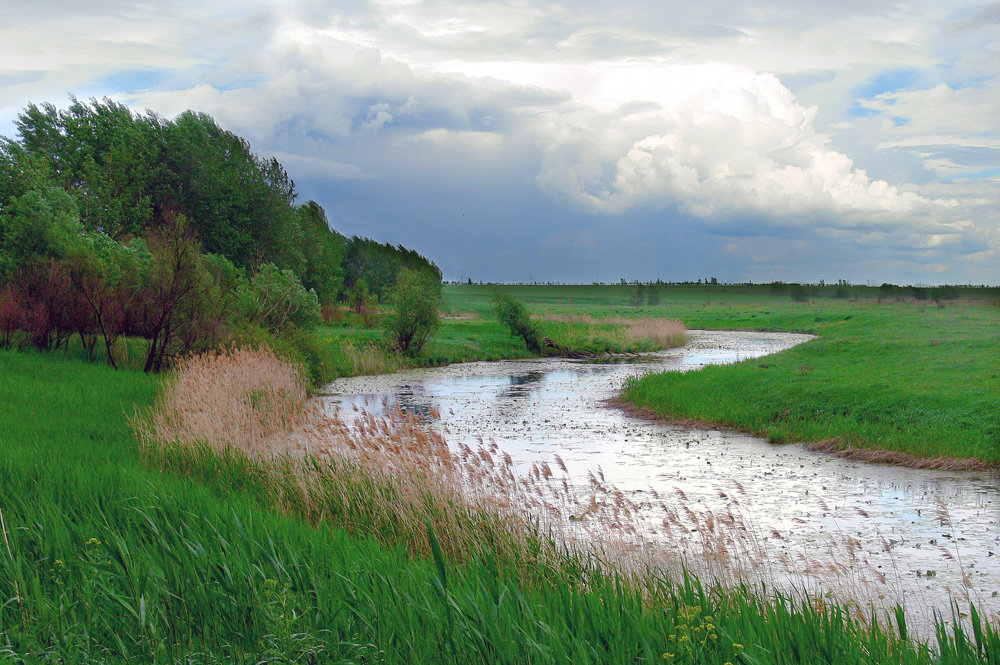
(888, 534)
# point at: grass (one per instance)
(920, 381)
(913, 377)
(116, 552)
(188, 556)
(477, 336)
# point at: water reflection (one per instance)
(906, 521)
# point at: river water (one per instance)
(874, 533)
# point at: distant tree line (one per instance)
(119, 224)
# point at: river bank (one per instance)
(872, 533)
(186, 555)
(914, 378)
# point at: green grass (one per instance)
(112, 560)
(912, 376)
(473, 334)
(902, 377)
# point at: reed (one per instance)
(201, 554)
(359, 358)
(391, 477)
(613, 334)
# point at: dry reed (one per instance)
(240, 399)
(626, 332)
(391, 476)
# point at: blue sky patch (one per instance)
(132, 81)
(888, 81)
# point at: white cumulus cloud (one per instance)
(718, 141)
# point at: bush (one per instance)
(512, 313)
(314, 356)
(274, 298)
(415, 299)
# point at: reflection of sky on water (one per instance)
(536, 409)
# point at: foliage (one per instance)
(197, 557)
(378, 265)
(359, 297)
(415, 299)
(513, 314)
(40, 224)
(116, 225)
(273, 298)
(130, 174)
(322, 252)
(241, 205)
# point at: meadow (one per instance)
(913, 376)
(113, 554)
(126, 549)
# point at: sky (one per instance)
(581, 141)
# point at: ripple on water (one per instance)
(929, 533)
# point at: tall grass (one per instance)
(613, 334)
(396, 476)
(196, 556)
(357, 358)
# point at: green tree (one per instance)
(512, 313)
(109, 159)
(239, 205)
(415, 299)
(109, 276)
(273, 298)
(41, 224)
(322, 251)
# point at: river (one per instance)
(870, 532)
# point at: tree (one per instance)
(273, 298)
(39, 225)
(415, 299)
(107, 158)
(323, 250)
(180, 302)
(512, 313)
(109, 278)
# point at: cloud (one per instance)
(722, 142)
(495, 129)
(312, 167)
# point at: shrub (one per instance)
(512, 313)
(359, 296)
(273, 298)
(415, 299)
(11, 315)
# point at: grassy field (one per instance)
(114, 556)
(913, 376)
(470, 332)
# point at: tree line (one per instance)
(116, 224)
